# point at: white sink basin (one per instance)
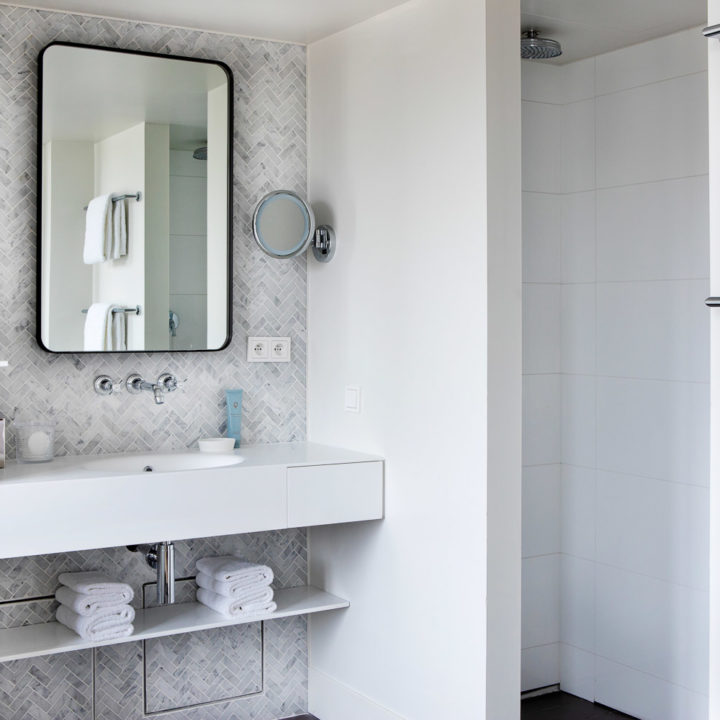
(159, 462)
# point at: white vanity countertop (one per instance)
(71, 467)
(78, 502)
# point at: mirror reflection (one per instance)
(135, 237)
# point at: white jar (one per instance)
(35, 441)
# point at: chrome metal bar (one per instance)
(166, 573)
(135, 310)
(712, 31)
(128, 196)
(713, 302)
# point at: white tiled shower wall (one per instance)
(616, 377)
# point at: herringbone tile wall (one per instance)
(269, 299)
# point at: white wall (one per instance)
(616, 356)
(217, 211)
(398, 165)
(66, 281)
(120, 168)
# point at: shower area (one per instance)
(616, 357)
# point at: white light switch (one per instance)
(352, 399)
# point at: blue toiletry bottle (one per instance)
(234, 414)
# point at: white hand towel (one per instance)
(244, 593)
(95, 583)
(83, 604)
(118, 329)
(96, 327)
(119, 230)
(227, 568)
(107, 624)
(231, 607)
(98, 230)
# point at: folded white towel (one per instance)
(237, 591)
(104, 625)
(230, 607)
(228, 568)
(119, 230)
(95, 583)
(98, 230)
(84, 604)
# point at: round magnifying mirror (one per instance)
(283, 224)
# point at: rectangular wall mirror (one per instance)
(135, 201)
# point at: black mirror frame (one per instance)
(38, 184)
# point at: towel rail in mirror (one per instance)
(135, 199)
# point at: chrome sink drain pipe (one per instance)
(161, 558)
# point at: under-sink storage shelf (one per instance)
(52, 638)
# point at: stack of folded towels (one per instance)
(233, 587)
(95, 607)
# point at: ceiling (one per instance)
(298, 21)
(592, 27)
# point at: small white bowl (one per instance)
(216, 445)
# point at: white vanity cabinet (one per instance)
(74, 503)
(78, 503)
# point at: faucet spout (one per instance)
(158, 394)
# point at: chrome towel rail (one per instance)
(134, 310)
(128, 196)
(712, 301)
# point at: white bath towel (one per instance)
(244, 593)
(119, 230)
(97, 326)
(98, 230)
(95, 583)
(83, 604)
(104, 625)
(227, 568)
(231, 607)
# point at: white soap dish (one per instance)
(216, 445)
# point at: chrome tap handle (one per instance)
(168, 382)
(104, 385)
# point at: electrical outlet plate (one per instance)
(268, 349)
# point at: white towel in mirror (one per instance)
(119, 230)
(105, 330)
(98, 230)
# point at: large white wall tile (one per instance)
(577, 602)
(654, 429)
(577, 672)
(541, 329)
(657, 330)
(652, 626)
(558, 84)
(577, 511)
(542, 129)
(540, 666)
(672, 56)
(578, 420)
(578, 328)
(578, 237)
(578, 146)
(541, 600)
(542, 228)
(644, 696)
(654, 132)
(541, 510)
(654, 231)
(653, 527)
(541, 419)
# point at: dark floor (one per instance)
(561, 706)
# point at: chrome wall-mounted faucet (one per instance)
(165, 383)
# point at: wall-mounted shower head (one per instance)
(533, 47)
(200, 153)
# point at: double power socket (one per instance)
(268, 349)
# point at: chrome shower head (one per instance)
(200, 153)
(533, 47)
